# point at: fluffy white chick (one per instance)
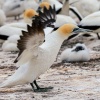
(76, 54)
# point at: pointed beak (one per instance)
(78, 30)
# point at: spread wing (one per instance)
(48, 17)
(34, 37)
(29, 42)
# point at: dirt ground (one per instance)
(71, 81)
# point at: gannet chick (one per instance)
(35, 53)
(2, 17)
(78, 53)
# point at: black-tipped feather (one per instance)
(32, 39)
(48, 17)
(34, 36)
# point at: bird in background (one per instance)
(36, 56)
(15, 30)
(59, 22)
(13, 8)
(79, 53)
(91, 22)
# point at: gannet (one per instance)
(78, 53)
(35, 56)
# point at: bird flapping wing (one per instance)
(48, 17)
(31, 40)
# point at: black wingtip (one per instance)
(48, 17)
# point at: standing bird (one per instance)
(78, 53)
(91, 22)
(36, 56)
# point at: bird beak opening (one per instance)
(76, 32)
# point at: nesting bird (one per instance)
(35, 56)
(92, 22)
(78, 53)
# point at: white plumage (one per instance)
(31, 4)
(78, 53)
(2, 17)
(16, 29)
(86, 7)
(11, 43)
(13, 8)
(91, 20)
(63, 19)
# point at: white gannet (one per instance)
(13, 8)
(76, 54)
(92, 22)
(11, 43)
(15, 29)
(36, 57)
(86, 7)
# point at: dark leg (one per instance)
(15, 17)
(41, 89)
(32, 86)
(37, 86)
(98, 36)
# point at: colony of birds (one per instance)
(39, 29)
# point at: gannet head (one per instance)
(28, 14)
(42, 5)
(70, 31)
(45, 4)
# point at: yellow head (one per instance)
(45, 4)
(66, 29)
(70, 31)
(28, 14)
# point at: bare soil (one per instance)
(71, 81)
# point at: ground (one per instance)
(71, 81)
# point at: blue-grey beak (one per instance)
(78, 30)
